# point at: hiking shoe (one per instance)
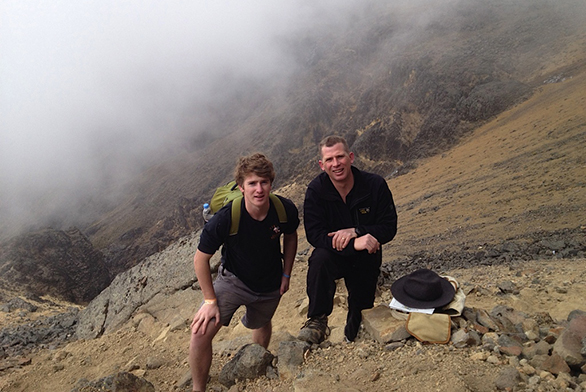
(315, 330)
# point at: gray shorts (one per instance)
(231, 293)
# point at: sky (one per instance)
(89, 88)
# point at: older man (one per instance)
(348, 215)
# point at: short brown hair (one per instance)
(256, 163)
(332, 140)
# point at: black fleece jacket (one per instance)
(369, 207)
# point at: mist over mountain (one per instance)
(95, 93)
(401, 81)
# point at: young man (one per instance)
(348, 215)
(254, 273)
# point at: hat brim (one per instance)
(398, 291)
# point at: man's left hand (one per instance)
(341, 238)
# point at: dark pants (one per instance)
(360, 276)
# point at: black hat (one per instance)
(423, 289)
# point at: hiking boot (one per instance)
(315, 330)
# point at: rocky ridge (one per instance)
(525, 349)
(60, 263)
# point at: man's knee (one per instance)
(199, 339)
(320, 258)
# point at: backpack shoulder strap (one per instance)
(282, 214)
(235, 218)
(237, 207)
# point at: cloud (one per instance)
(91, 90)
(88, 89)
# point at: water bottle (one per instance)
(207, 212)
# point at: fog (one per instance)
(91, 90)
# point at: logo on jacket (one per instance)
(364, 210)
(276, 232)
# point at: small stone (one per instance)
(533, 380)
(393, 346)
(479, 356)
(545, 375)
(528, 370)
(154, 363)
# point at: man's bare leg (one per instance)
(262, 335)
(200, 355)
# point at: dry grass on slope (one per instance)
(522, 172)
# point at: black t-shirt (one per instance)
(254, 253)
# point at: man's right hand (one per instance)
(367, 242)
(204, 316)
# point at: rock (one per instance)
(508, 287)
(508, 319)
(393, 346)
(531, 329)
(554, 245)
(56, 330)
(507, 379)
(526, 368)
(510, 345)
(250, 362)
(577, 324)
(533, 349)
(400, 334)
(18, 303)
(566, 380)
(533, 380)
(462, 338)
(470, 314)
(61, 263)
(479, 356)
(490, 340)
(303, 306)
(576, 313)
(555, 364)
(511, 350)
(120, 382)
(290, 357)
(538, 360)
(158, 282)
(485, 320)
(154, 363)
(569, 345)
(381, 324)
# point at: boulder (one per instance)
(250, 362)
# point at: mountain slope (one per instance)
(517, 177)
(399, 83)
(454, 201)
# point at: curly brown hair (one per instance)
(256, 163)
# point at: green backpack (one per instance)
(230, 192)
